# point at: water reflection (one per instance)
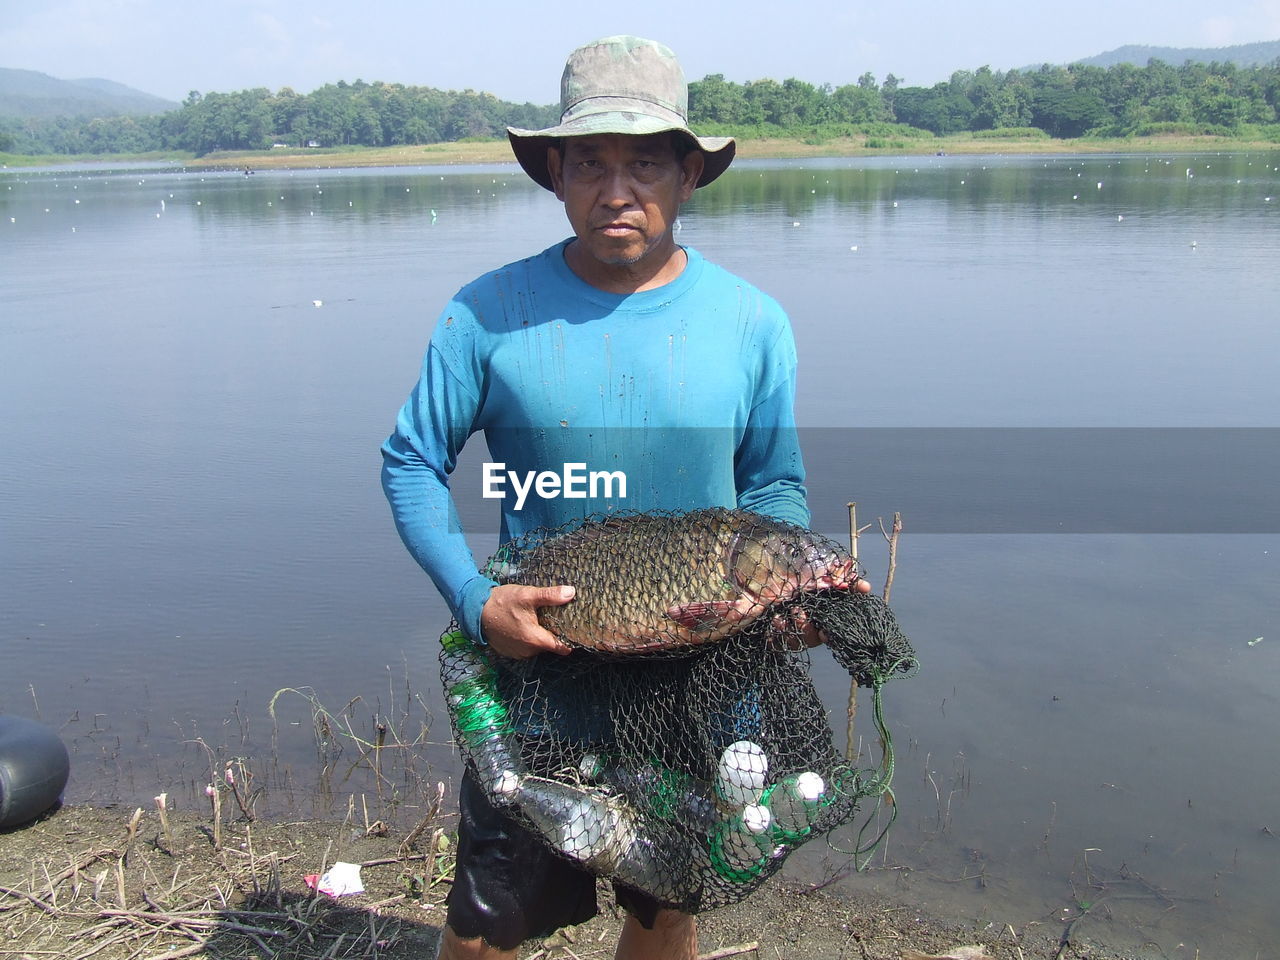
(1022, 184)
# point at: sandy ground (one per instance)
(94, 882)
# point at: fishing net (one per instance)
(681, 749)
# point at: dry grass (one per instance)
(496, 151)
(107, 884)
(88, 883)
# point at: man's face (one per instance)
(622, 193)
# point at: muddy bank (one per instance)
(113, 884)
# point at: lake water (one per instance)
(1062, 371)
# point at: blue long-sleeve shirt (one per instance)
(686, 390)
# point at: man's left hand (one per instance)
(794, 630)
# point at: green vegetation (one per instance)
(1117, 102)
(1061, 102)
(336, 115)
(1010, 133)
(48, 159)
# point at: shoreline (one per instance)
(499, 151)
(178, 885)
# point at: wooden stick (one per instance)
(120, 891)
(383, 861)
(31, 897)
(215, 799)
(162, 808)
(737, 951)
(432, 812)
(851, 710)
(132, 828)
(214, 919)
(107, 942)
(1015, 941)
(189, 951)
(892, 538)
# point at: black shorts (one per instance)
(509, 887)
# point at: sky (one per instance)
(516, 51)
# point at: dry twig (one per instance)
(735, 951)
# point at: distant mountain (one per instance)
(1242, 55)
(28, 93)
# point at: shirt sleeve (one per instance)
(417, 460)
(768, 467)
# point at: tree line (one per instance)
(336, 115)
(1062, 102)
(1056, 101)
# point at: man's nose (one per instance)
(617, 190)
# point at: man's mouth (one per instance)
(618, 229)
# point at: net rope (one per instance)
(681, 748)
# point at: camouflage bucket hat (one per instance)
(620, 85)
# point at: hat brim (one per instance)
(530, 146)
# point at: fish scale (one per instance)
(659, 582)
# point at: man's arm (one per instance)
(769, 473)
(417, 460)
(768, 469)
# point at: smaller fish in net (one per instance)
(681, 748)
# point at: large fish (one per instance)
(650, 582)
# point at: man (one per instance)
(618, 349)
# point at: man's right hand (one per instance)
(509, 620)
